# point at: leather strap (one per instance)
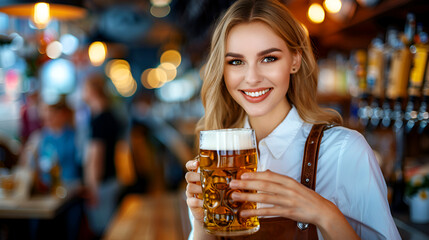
(311, 154)
(308, 175)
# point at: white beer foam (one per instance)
(227, 139)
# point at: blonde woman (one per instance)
(261, 73)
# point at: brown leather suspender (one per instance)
(311, 154)
(308, 175)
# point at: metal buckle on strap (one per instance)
(301, 225)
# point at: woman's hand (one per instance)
(292, 200)
(193, 189)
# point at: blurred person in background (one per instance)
(51, 153)
(99, 170)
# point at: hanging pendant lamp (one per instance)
(58, 9)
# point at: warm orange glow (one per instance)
(169, 69)
(316, 13)
(97, 53)
(171, 56)
(41, 15)
(332, 6)
(144, 80)
(156, 78)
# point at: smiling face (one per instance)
(257, 70)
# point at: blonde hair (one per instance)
(221, 111)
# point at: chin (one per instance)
(255, 112)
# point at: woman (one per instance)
(261, 73)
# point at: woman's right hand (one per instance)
(193, 190)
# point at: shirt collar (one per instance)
(279, 140)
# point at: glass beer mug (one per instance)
(225, 155)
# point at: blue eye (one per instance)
(269, 59)
(235, 62)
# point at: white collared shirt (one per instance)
(347, 173)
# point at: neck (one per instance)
(265, 124)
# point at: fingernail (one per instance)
(235, 195)
(233, 183)
(194, 164)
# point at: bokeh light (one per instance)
(171, 56)
(160, 3)
(169, 69)
(332, 6)
(156, 77)
(97, 53)
(160, 12)
(119, 71)
(144, 79)
(54, 49)
(316, 13)
(70, 43)
(41, 15)
(58, 77)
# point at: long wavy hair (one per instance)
(221, 111)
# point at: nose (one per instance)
(253, 75)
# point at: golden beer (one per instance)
(226, 156)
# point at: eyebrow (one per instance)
(261, 53)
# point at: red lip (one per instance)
(255, 99)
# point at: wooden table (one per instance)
(39, 206)
(150, 217)
(43, 207)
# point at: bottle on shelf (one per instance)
(389, 49)
(420, 51)
(375, 85)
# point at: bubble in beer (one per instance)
(223, 216)
(212, 198)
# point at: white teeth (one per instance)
(256, 94)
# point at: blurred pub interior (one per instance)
(373, 68)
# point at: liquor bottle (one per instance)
(420, 58)
(423, 115)
(398, 80)
(388, 50)
(360, 60)
(398, 86)
(375, 79)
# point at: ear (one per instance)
(296, 62)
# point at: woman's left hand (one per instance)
(289, 198)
